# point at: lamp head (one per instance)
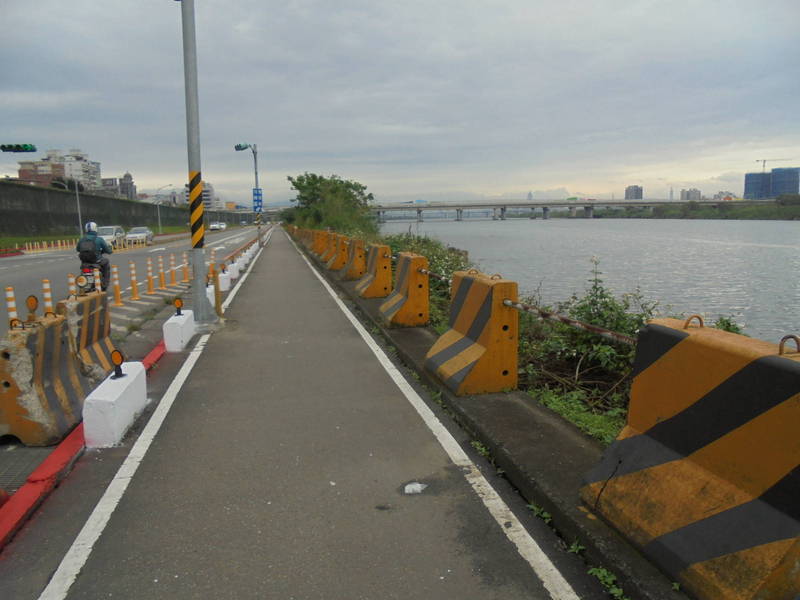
(239, 147)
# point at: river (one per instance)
(747, 270)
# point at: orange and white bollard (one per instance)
(150, 289)
(162, 281)
(115, 283)
(73, 288)
(47, 296)
(185, 267)
(11, 305)
(98, 287)
(172, 281)
(134, 284)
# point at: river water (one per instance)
(748, 270)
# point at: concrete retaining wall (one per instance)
(32, 210)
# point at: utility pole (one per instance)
(257, 197)
(203, 312)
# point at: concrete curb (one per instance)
(543, 455)
(53, 469)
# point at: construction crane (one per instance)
(764, 162)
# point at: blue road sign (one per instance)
(258, 200)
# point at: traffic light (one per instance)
(18, 148)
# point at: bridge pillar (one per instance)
(533, 213)
(588, 212)
(381, 217)
(545, 212)
(419, 215)
(459, 214)
(502, 213)
(573, 211)
(494, 214)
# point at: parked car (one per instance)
(217, 226)
(113, 234)
(140, 234)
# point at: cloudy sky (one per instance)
(445, 99)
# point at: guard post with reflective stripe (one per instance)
(705, 476)
(479, 353)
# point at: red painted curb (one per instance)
(39, 483)
(154, 356)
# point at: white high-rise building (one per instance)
(72, 165)
(210, 199)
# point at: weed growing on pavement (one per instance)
(609, 581)
(541, 513)
(576, 547)
(482, 450)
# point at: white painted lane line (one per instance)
(156, 250)
(81, 548)
(131, 308)
(529, 549)
(119, 328)
(233, 292)
(123, 317)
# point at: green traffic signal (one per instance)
(18, 148)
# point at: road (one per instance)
(25, 273)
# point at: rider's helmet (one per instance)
(91, 226)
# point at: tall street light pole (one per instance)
(257, 197)
(203, 313)
(77, 200)
(158, 204)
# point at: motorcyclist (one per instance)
(100, 247)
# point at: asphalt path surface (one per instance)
(280, 471)
(25, 273)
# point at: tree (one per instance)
(340, 204)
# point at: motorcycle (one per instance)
(89, 278)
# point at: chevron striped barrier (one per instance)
(89, 320)
(377, 279)
(339, 259)
(41, 387)
(478, 354)
(356, 263)
(320, 242)
(705, 477)
(408, 304)
(330, 250)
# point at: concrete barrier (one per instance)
(408, 305)
(330, 250)
(112, 407)
(42, 388)
(89, 320)
(478, 354)
(178, 330)
(233, 270)
(377, 279)
(339, 259)
(705, 477)
(356, 263)
(320, 242)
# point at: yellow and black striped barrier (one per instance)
(330, 251)
(339, 258)
(196, 209)
(356, 263)
(478, 354)
(408, 305)
(320, 242)
(377, 279)
(41, 386)
(89, 320)
(705, 477)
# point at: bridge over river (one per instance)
(500, 209)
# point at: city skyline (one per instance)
(445, 102)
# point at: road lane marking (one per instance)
(156, 250)
(76, 556)
(528, 548)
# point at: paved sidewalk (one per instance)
(280, 471)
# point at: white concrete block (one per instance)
(224, 281)
(233, 270)
(178, 330)
(210, 294)
(112, 407)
